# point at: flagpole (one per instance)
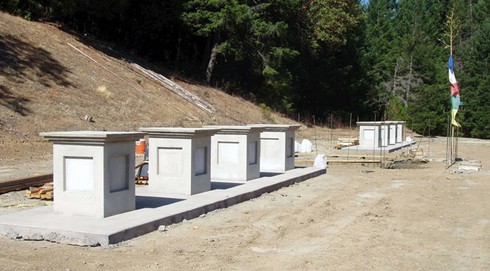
(447, 140)
(456, 145)
(453, 157)
(451, 145)
(450, 123)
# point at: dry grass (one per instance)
(51, 80)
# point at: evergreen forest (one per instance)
(308, 59)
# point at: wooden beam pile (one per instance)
(43, 192)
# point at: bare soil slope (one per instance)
(50, 80)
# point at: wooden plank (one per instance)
(47, 196)
(44, 192)
(340, 161)
(175, 88)
(143, 182)
(18, 184)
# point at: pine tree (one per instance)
(420, 60)
(378, 56)
(475, 79)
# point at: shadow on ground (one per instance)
(154, 202)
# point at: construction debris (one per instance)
(18, 184)
(409, 159)
(466, 167)
(472, 165)
(88, 118)
(141, 176)
(43, 192)
(402, 162)
(343, 142)
(141, 181)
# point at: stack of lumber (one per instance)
(343, 142)
(141, 176)
(43, 192)
(141, 180)
(352, 159)
(18, 184)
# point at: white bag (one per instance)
(320, 161)
(306, 146)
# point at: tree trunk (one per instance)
(409, 85)
(394, 76)
(212, 62)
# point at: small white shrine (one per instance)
(277, 147)
(179, 159)
(93, 172)
(235, 153)
(385, 135)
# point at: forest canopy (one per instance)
(374, 60)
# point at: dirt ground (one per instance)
(356, 217)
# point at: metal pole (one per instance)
(428, 151)
(331, 132)
(456, 145)
(374, 144)
(380, 147)
(316, 145)
(350, 130)
(447, 141)
(452, 145)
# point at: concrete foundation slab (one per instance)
(473, 165)
(45, 224)
(358, 149)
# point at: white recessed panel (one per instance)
(368, 134)
(200, 161)
(384, 136)
(118, 173)
(290, 147)
(270, 147)
(228, 153)
(399, 133)
(170, 162)
(79, 174)
(252, 153)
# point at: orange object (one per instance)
(140, 146)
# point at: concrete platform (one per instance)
(470, 166)
(152, 211)
(388, 149)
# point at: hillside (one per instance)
(51, 80)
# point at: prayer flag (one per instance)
(455, 99)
